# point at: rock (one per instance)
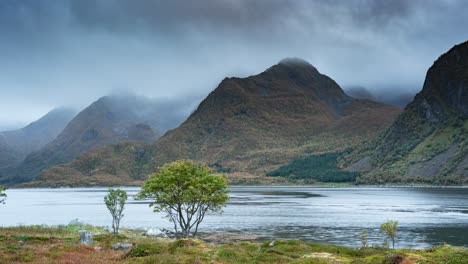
(168, 233)
(154, 232)
(272, 243)
(122, 246)
(85, 237)
(98, 249)
(76, 222)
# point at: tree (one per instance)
(2, 194)
(364, 238)
(390, 229)
(115, 202)
(186, 192)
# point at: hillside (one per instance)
(15, 145)
(428, 141)
(256, 123)
(247, 126)
(109, 120)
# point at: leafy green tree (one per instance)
(390, 228)
(115, 202)
(2, 194)
(186, 192)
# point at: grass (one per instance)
(42, 244)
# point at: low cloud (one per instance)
(71, 52)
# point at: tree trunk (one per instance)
(117, 226)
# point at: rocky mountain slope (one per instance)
(428, 141)
(247, 126)
(15, 145)
(109, 120)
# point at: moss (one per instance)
(143, 250)
(106, 240)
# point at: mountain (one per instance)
(428, 141)
(246, 126)
(256, 123)
(15, 145)
(109, 120)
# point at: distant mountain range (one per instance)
(15, 145)
(109, 120)
(246, 126)
(428, 141)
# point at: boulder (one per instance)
(122, 246)
(154, 232)
(86, 237)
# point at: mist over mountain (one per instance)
(397, 97)
(111, 119)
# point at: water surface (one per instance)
(427, 216)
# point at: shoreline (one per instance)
(324, 186)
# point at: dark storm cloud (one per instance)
(71, 52)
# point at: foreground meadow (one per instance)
(42, 244)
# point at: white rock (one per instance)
(122, 246)
(155, 232)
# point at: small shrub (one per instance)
(143, 250)
(394, 259)
(180, 243)
(390, 229)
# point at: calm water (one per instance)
(428, 216)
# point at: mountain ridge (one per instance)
(247, 126)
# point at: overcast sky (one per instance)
(71, 52)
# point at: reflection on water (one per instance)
(428, 216)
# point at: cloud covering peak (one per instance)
(72, 52)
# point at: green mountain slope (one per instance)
(428, 141)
